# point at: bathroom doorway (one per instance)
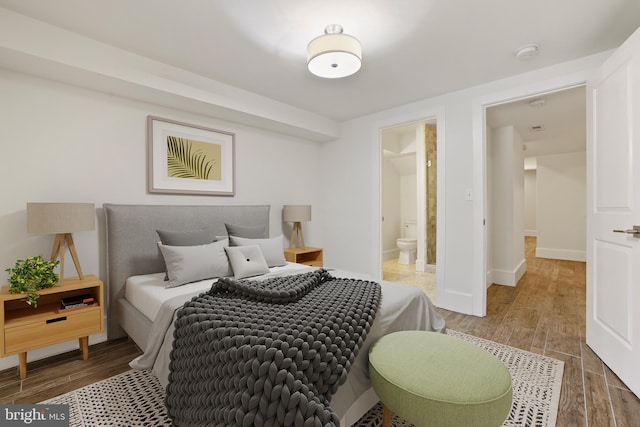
(409, 205)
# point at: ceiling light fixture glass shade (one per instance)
(334, 54)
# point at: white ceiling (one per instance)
(412, 49)
(561, 118)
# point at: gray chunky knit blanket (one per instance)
(268, 353)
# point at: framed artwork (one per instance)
(189, 159)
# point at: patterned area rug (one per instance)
(135, 398)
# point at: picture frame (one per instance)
(189, 159)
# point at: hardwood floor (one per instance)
(543, 314)
(59, 374)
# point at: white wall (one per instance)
(408, 206)
(519, 265)
(352, 163)
(561, 206)
(399, 186)
(506, 183)
(399, 205)
(500, 153)
(66, 144)
(391, 210)
(530, 191)
(489, 210)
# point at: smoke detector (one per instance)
(536, 128)
(527, 51)
(536, 103)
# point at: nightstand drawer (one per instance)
(65, 326)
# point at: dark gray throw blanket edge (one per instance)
(268, 353)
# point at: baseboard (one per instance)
(563, 254)
(390, 254)
(507, 278)
(503, 277)
(530, 233)
(429, 268)
(423, 267)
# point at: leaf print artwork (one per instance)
(189, 159)
(192, 159)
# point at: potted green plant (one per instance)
(30, 275)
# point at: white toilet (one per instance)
(407, 244)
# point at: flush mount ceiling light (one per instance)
(334, 54)
(527, 51)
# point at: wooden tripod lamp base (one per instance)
(296, 235)
(296, 214)
(62, 240)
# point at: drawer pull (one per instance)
(57, 319)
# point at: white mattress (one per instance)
(148, 292)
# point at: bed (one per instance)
(139, 302)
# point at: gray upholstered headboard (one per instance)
(132, 241)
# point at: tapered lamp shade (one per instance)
(61, 219)
(296, 214)
(55, 218)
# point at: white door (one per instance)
(613, 258)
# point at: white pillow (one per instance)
(186, 264)
(246, 261)
(272, 249)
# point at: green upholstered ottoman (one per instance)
(436, 380)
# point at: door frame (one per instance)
(436, 113)
(479, 215)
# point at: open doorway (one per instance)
(536, 181)
(409, 205)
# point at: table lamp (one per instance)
(61, 219)
(296, 214)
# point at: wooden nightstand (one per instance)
(307, 255)
(25, 328)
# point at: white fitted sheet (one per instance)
(148, 292)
